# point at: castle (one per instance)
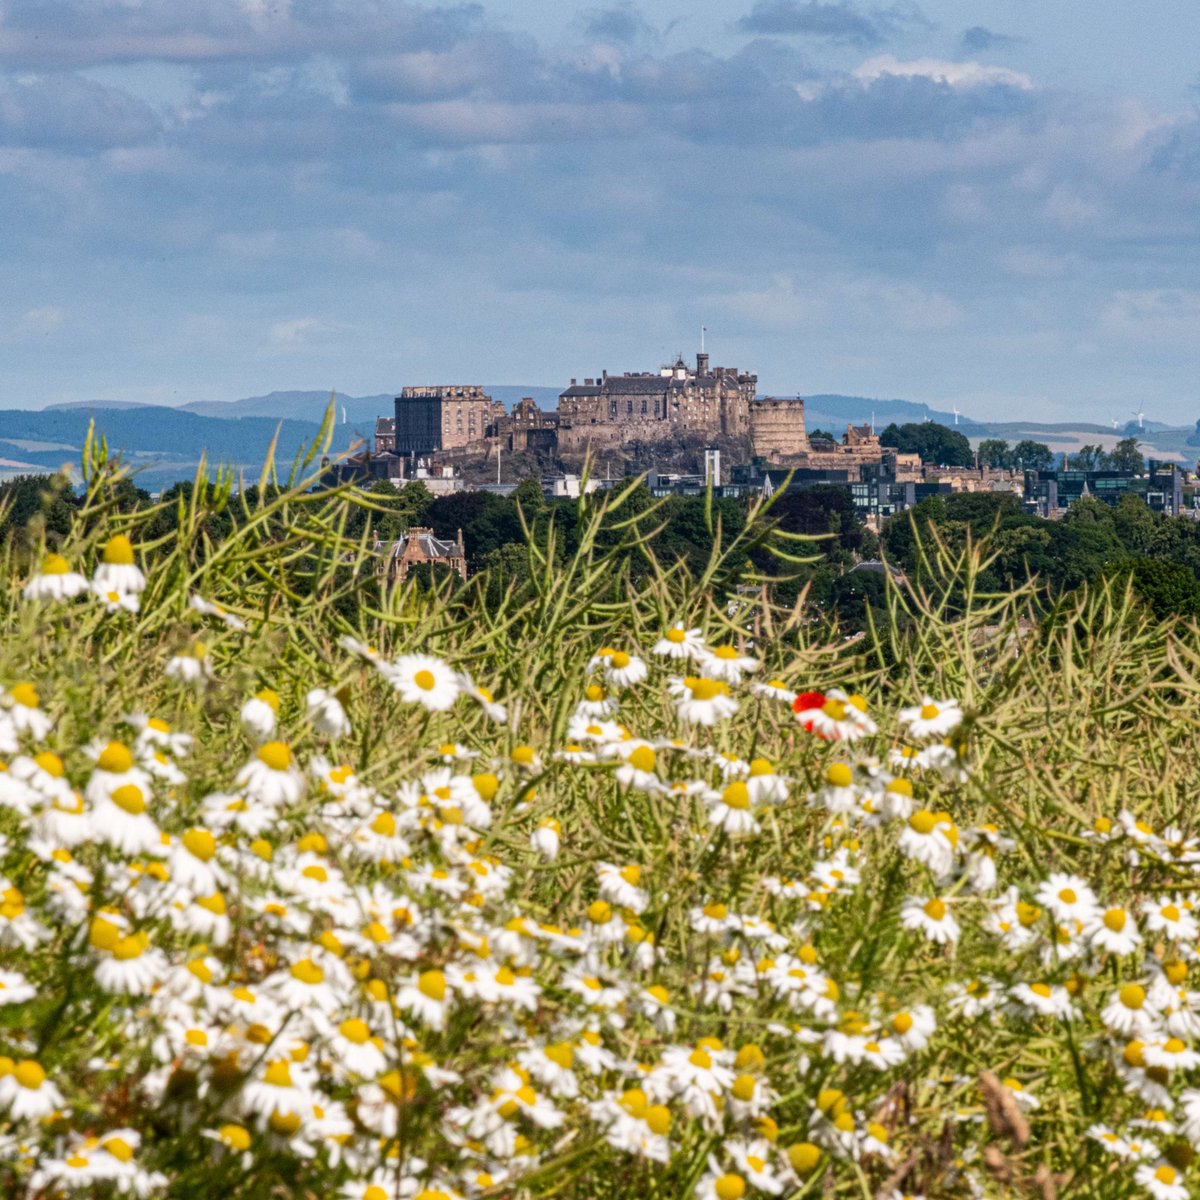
(676, 406)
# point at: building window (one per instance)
(629, 408)
(645, 407)
(612, 409)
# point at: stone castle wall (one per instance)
(777, 428)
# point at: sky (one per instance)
(991, 205)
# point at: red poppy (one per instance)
(808, 702)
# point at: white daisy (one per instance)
(55, 581)
(117, 571)
(931, 718)
(423, 679)
(679, 642)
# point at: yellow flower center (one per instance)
(432, 984)
(235, 1137)
(716, 912)
(701, 1059)
(1040, 989)
(119, 1148)
(355, 1030)
(133, 946)
(276, 755)
(676, 635)
(524, 755)
(643, 759)
(55, 564)
(599, 912)
(1132, 995)
(1067, 896)
(935, 909)
(725, 652)
(425, 680)
(839, 775)
(25, 694)
(834, 709)
(736, 795)
(929, 711)
(803, 1157)
(128, 797)
(307, 971)
(200, 843)
(278, 1074)
(902, 1023)
(922, 822)
(620, 660)
(729, 1187)
(1170, 912)
(29, 1074)
(118, 551)
(50, 763)
(705, 689)
(1114, 919)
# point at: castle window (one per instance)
(645, 407)
(629, 408)
(612, 409)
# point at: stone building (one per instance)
(527, 427)
(385, 435)
(417, 546)
(777, 428)
(429, 419)
(675, 402)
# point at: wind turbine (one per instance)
(1114, 421)
(957, 414)
(1139, 414)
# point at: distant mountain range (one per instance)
(165, 443)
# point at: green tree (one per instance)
(1134, 524)
(1088, 458)
(1167, 588)
(995, 452)
(529, 496)
(36, 504)
(1125, 456)
(933, 442)
(1033, 456)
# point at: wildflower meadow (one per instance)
(312, 886)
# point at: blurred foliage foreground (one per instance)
(587, 889)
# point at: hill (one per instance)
(163, 443)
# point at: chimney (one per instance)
(702, 364)
(572, 382)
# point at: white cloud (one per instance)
(956, 74)
(296, 333)
(37, 322)
(1153, 315)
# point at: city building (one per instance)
(1050, 493)
(665, 406)
(430, 419)
(418, 546)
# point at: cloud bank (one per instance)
(372, 193)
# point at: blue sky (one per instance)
(995, 204)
